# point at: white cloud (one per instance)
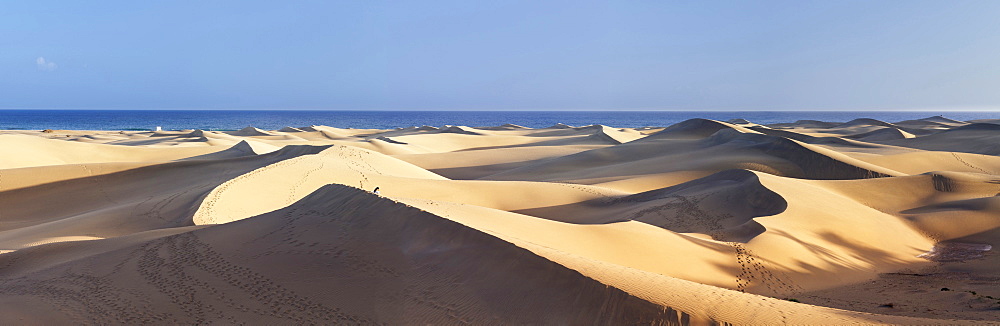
(45, 65)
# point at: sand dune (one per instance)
(670, 207)
(290, 129)
(26, 151)
(865, 122)
(806, 124)
(694, 129)
(809, 139)
(506, 126)
(701, 222)
(559, 125)
(350, 237)
(477, 163)
(882, 134)
(250, 131)
(677, 160)
(945, 121)
(978, 138)
(243, 148)
(119, 203)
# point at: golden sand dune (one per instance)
(27, 151)
(701, 222)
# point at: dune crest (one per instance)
(250, 131)
(695, 129)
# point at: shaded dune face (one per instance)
(700, 145)
(290, 129)
(975, 126)
(459, 130)
(807, 124)
(804, 162)
(866, 122)
(389, 140)
(414, 268)
(121, 199)
(979, 138)
(722, 205)
(692, 129)
(882, 134)
(250, 131)
(802, 137)
(857, 140)
(241, 149)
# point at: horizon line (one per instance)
(990, 109)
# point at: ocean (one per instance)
(276, 119)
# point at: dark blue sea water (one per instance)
(232, 120)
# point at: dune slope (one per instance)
(380, 262)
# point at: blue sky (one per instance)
(501, 55)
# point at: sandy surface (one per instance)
(701, 222)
